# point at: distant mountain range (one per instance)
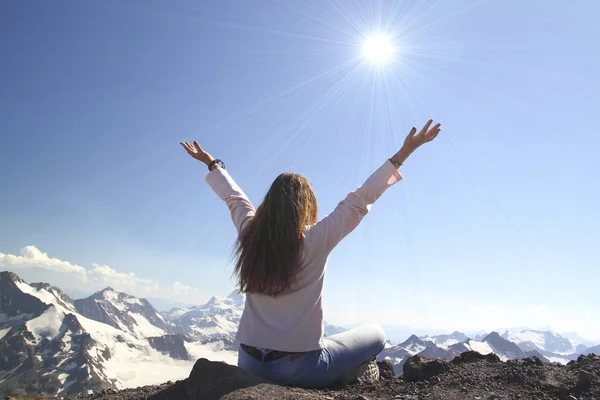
(52, 344)
(548, 346)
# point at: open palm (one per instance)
(197, 152)
(414, 140)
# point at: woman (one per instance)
(281, 255)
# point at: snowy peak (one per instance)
(59, 297)
(473, 345)
(216, 319)
(122, 311)
(20, 301)
(331, 330)
(542, 341)
(445, 341)
(237, 299)
(415, 345)
(593, 350)
(16, 304)
(503, 348)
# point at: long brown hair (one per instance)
(268, 250)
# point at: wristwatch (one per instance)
(214, 162)
(396, 164)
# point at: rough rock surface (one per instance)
(470, 376)
(419, 368)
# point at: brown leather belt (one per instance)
(270, 356)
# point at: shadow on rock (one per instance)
(209, 380)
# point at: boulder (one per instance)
(473, 356)
(418, 368)
(386, 370)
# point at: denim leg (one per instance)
(286, 370)
(344, 352)
(351, 349)
(251, 364)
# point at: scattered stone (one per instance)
(475, 377)
(386, 370)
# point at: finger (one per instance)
(426, 127)
(433, 136)
(197, 146)
(436, 126)
(188, 147)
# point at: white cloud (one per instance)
(34, 266)
(31, 257)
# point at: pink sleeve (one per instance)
(225, 187)
(327, 233)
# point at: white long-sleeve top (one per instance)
(293, 321)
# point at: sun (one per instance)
(378, 48)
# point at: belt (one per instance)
(272, 355)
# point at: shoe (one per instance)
(371, 373)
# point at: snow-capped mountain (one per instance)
(398, 354)
(578, 341)
(53, 345)
(445, 341)
(448, 347)
(543, 341)
(43, 346)
(553, 347)
(122, 311)
(333, 329)
(218, 319)
(593, 350)
(46, 346)
(471, 345)
(505, 349)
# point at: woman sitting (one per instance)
(281, 253)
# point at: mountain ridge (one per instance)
(50, 343)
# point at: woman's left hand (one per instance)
(197, 152)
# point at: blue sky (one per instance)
(494, 225)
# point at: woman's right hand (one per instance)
(197, 152)
(414, 141)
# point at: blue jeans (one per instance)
(344, 354)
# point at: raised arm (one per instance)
(224, 186)
(328, 232)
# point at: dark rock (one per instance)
(473, 356)
(473, 376)
(170, 344)
(386, 370)
(532, 361)
(584, 379)
(209, 380)
(417, 368)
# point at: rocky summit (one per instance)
(468, 376)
